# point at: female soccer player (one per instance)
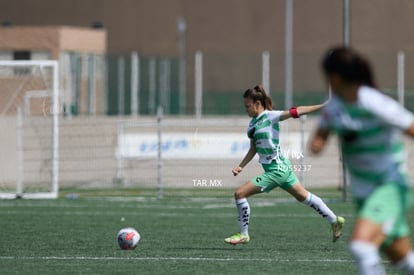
(369, 124)
(263, 132)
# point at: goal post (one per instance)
(37, 129)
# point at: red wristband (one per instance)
(294, 112)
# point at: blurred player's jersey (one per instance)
(264, 130)
(370, 134)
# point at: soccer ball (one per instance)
(128, 238)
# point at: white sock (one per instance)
(317, 203)
(407, 264)
(367, 257)
(243, 208)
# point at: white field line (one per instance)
(160, 214)
(211, 205)
(77, 258)
(190, 202)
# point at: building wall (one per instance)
(53, 39)
(233, 33)
(56, 42)
(30, 39)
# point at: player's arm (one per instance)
(410, 130)
(296, 112)
(319, 140)
(249, 156)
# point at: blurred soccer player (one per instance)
(263, 132)
(369, 125)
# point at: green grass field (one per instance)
(181, 234)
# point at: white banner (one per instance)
(184, 146)
(197, 146)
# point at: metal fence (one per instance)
(133, 84)
(195, 153)
(138, 87)
(105, 152)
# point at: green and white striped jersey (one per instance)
(264, 130)
(370, 134)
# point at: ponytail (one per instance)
(259, 94)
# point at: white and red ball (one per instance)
(128, 238)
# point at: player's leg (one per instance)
(381, 222)
(399, 249)
(290, 183)
(401, 255)
(365, 241)
(243, 208)
(304, 196)
(246, 190)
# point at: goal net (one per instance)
(29, 111)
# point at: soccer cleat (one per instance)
(337, 228)
(237, 239)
